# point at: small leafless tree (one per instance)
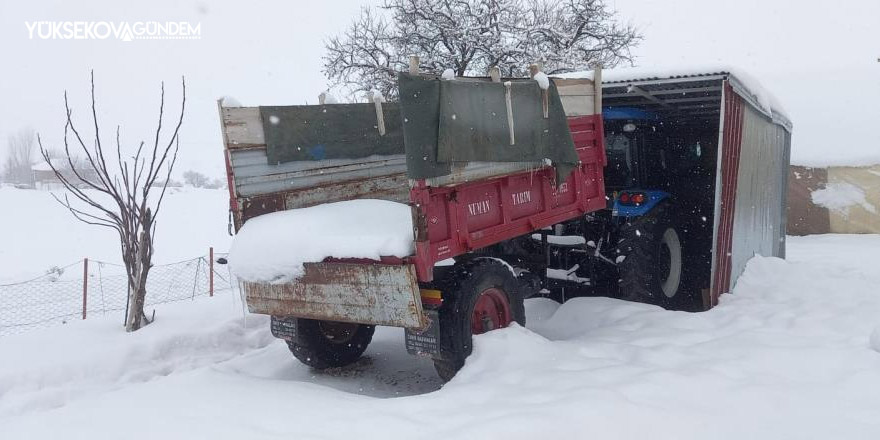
(118, 191)
(196, 179)
(469, 36)
(20, 157)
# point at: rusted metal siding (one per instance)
(725, 191)
(363, 293)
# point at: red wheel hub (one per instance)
(491, 311)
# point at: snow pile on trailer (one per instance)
(273, 247)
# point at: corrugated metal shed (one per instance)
(754, 142)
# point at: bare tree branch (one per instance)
(469, 36)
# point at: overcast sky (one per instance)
(821, 63)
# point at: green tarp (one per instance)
(336, 131)
(439, 122)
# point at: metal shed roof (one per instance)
(694, 92)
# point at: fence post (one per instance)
(85, 284)
(211, 271)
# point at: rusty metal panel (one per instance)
(393, 187)
(379, 294)
(725, 191)
(804, 217)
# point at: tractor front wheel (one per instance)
(650, 260)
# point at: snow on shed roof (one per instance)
(744, 83)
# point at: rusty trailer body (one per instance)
(380, 294)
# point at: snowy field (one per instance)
(792, 353)
(36, 233)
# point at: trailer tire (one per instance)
(329, 344)
(483, 287)
(651, 270)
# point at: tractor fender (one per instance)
(653, 198)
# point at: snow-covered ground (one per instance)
(788, 355)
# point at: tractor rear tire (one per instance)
(480, 295)
(329, 344)
(651, 269)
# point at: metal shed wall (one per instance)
(751, 192)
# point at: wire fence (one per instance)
(90, 288)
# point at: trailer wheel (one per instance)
(652, 260)
(329, 344)
(481, 295)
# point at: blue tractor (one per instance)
(657, 219)
(653, 242)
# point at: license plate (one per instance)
(284, 328)
(425, 342)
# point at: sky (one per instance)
(820, 62)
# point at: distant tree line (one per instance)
(20, 156)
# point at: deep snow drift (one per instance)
(788, 355)
(273, 247)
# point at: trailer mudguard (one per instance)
(627, 210)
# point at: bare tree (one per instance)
(469, 36)
(196, 179)
(118, 196)
(20, 157)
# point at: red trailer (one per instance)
(465, 207)
(459, 218)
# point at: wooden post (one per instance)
(534, 69)
(495, 74)
(85, 284)
(509, 102)
(597, 85)
(413, 64)
(211, 271)
(380, 117)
